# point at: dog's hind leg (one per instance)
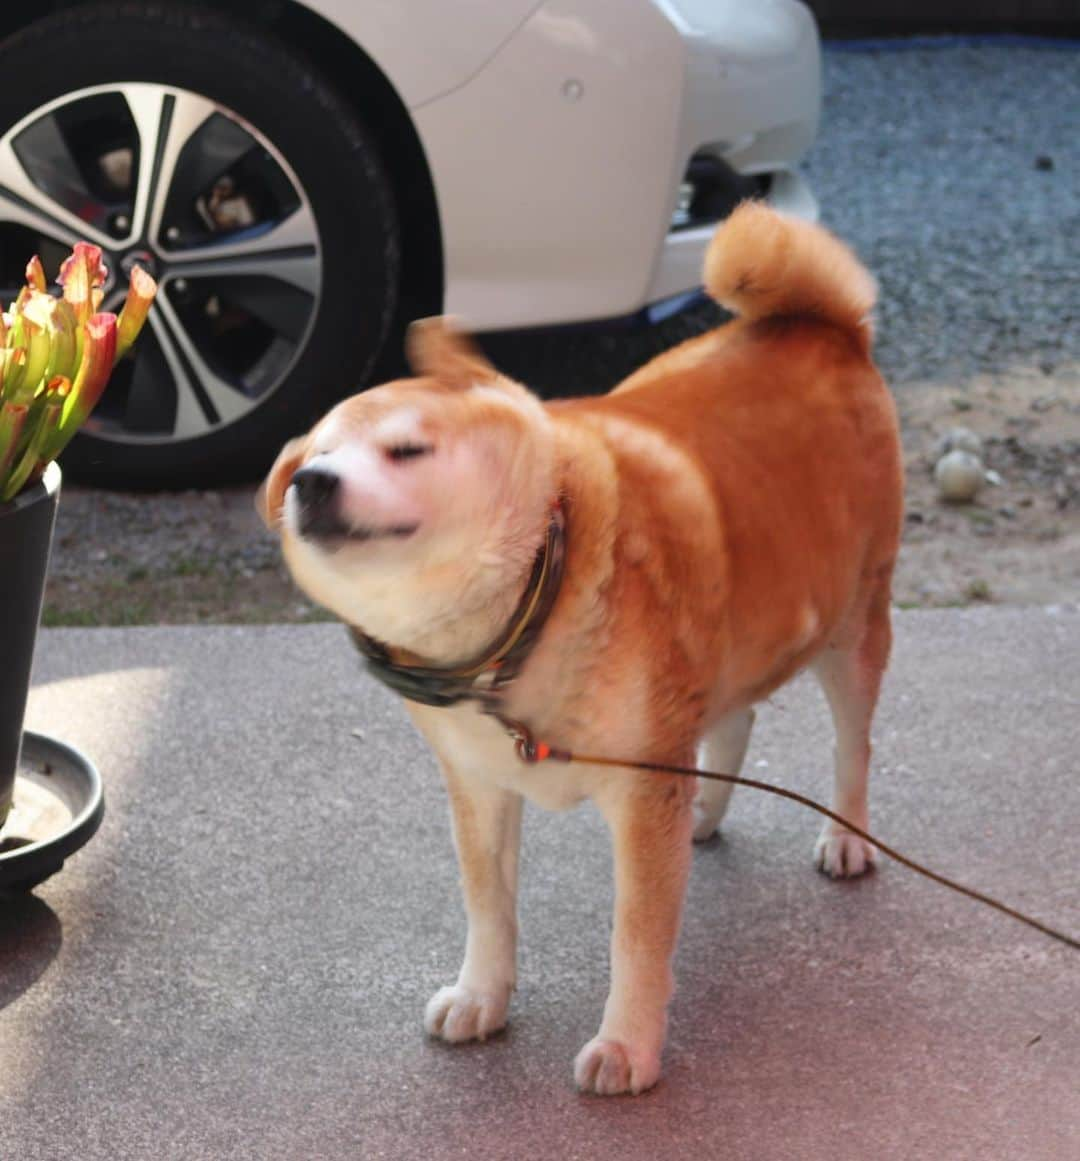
(851, 678)
(722, 749)
(487, 834)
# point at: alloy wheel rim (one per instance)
(183, 185)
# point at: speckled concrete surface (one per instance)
(236, 966)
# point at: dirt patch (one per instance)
(129, 559)
(1019, 542)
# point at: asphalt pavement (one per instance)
(236, 966)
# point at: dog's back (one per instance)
(791, 425)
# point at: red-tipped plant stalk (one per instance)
(80, 274)
(12, 422)
(62, 328)
(141, 291)
(35, 274)
(99, 354)
(56, 356)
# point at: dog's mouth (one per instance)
(333, 534)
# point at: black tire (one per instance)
(333, 158)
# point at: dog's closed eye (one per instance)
(407, 451)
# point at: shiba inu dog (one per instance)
(627, 575)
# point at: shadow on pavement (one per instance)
(30, 937)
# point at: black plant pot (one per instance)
(26, 527)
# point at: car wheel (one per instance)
(198, 146)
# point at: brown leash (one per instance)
(503, 660)
(532, 752)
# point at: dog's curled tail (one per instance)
(761, 264)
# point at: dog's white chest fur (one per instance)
(476, 746)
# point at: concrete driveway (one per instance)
(236, 966)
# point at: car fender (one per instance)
(427, 48)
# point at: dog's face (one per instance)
(417, 475)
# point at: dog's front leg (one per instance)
(650, 820)
(487, 834)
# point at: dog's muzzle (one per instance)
(318, 495)
(320, 515)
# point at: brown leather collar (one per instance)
(504, 658)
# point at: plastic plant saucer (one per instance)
(58, 804)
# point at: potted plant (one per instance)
(56, 355)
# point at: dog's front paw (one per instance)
(458, 1013)
(841, 854)
(608, 1067)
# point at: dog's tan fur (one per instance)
(733, 514)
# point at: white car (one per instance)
(305, 178)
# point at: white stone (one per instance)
(959, 476)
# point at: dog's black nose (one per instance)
(317, 490)
(315, 486)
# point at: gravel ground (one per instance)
(956, 174)
(954, 170)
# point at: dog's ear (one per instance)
(271, 494)
(437, 349)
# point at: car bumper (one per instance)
(678, 266)
(560, 203)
